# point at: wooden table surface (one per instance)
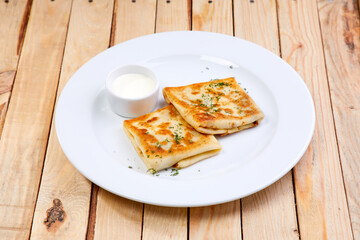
(43, 42)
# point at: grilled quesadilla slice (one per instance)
(216, 107)
(164, 139)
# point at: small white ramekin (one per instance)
(132, 107)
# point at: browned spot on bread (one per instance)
(164, 132)
(152, 119)
(164, 125)
(204, 116)
(55, 216)
(188, 137)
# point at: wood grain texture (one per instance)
(14, 18)
(27, 124)
(320, 195)
(340, 25)
(116, 217)
(212, 16)
(270, 213)
(161, 222)
(164, 223)
(173, 16)
(88, 34)
(133, 19)
(220, 221)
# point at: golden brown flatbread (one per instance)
(216, 107)
(164, 139)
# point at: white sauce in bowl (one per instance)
(132, 85)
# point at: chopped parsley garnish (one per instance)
(169, 150)
(151, 171)
(228, 112)
(158, 145)
(153, 151)
(177, 138)
(231, 66)
(191, 141)
(174, 172)
(147, 132)
(167, 140)
(148, 156)
(129, 166)
(156, 155)
(220, 84)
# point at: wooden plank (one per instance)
(14, 17)
(320, 196)
(173, 15)
(271, 213)
(116, 217)
(160, 222)
(220, 221)
(164, 223)
(212, 16)
(26, 129)
(88, 34)
(133, 19)
(340, 25)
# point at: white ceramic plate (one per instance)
(92, 137)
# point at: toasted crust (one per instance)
(216, 107)
(163, 138)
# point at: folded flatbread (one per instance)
(216, 107)
(164, 139)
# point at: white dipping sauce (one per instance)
(133, 85)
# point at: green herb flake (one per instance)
(147, 132)
(158, 145)
(151, 171)
(129, 166)
(174, 172)
(177, 138)
(231, 66)
(153, 151)
(207, 68)
(169, 150)
(148, 156)
(191, 141)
